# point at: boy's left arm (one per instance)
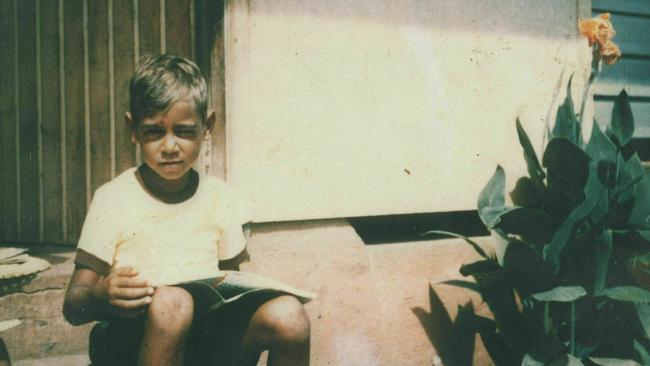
(233, 263)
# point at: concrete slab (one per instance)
(369, 296)
(374, 304)
(68, 360)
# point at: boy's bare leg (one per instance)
(280, 325)
(4, 354)
(169, 318)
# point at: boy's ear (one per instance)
(211, 121)
(128, 119)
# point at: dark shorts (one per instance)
(215, 337)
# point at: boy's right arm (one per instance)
(91, 296)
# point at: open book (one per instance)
(236, 285)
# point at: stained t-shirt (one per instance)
(166, 243)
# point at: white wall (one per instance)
(355, 108)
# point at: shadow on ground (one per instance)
(454, 340)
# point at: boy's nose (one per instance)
(170, 144)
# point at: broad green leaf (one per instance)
(526, 194)
(573, 361)
(544, 348)
(493, 194)
(567, 172)
(471, 242)
(595, 187)
(554, 249)
(640, 215)
(630, 184)
(583, 350)
(491, 216)
(568, 100)
(645, 234)
(491, 200)
(561, 294)
(622, 119)
(643, 313)
(531, 224)
(566, 123)
(642, 352)
(612, 136)
(599, 146)
(603, 247)
(634, 168)
(566, 360)
(534, 167)
(618, 215)
(529, 360)
(613, 361)
(532, 273)
(501, 243)
(479, 267)
(627, 293)
(631, 173)
(594, 194)
(566, 164)
(606, 172)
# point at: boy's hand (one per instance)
(125, 294)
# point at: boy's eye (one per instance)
(152, 133)
(189, 132)
(155, 133)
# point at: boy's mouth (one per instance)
(171, 163)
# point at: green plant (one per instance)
(578, 239)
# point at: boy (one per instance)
(152, 232)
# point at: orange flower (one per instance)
(610, 52)
(597, 30)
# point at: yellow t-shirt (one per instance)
(167, 243)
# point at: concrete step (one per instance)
(43, 332)
(68, 360)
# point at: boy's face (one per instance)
(171, 141)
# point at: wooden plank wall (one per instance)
(64, 73)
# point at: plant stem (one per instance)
(619, 162)
(572, 341)
(585, 95)
(596, 66)
(547, 317)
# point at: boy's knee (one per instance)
(171, 307)
(285, 320)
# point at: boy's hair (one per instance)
(161, 81)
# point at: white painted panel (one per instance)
(383, 107)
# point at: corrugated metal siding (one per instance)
(64, 70)
(631, 21)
